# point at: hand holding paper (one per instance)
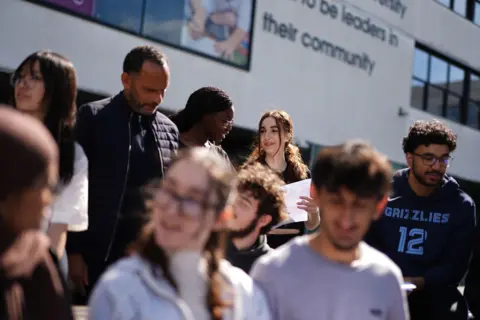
(293, 194)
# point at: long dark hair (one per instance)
(221, 180)
(60, 82)
(298, 169)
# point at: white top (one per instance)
(131, 289)
(71, 205)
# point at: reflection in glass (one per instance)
(123, 14)
(474, 87)
(164, 22)
(453, 108)
(460, 7)
(446, 3)
(223, 34)
(438, 71)
(418, 90)
(435, 101)
(85, 7)
(473, 115)
(476, 17)
(456, 79)
(420, 64)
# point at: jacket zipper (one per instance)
(154, 132)
(115, 226)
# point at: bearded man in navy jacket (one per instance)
(428, 224)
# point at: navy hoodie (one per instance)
(429, 237)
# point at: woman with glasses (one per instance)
(45, 87)
(177, 270)
(274, 148)
(206, 120)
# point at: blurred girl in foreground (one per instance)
(178, 271)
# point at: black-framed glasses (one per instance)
(430, 160)
(188, 207)
(30, 80)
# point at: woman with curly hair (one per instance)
(274, 148)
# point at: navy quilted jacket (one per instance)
(103, 130)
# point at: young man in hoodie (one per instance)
(428, 224)
(259, 206)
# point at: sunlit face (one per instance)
(185, 208)
(345, 217)
(29, 88)
(145, 90)
(245, 215)
(218, 125)
(272, 138)
(28, 209)
(429, 163)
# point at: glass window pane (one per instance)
(224, 34)
(446, 3)
(418, 89)
(473, 115)
(81, 7)
(474, 88)
(435, 101)
(165, 22)
(460, 7)
(476, 16)
(438, 71)
(456, 79)
(453, 108)
(420, 64)
(125, 14)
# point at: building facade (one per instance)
(342, 68)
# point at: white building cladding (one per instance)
(342, 69)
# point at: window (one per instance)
(444, 88)
(469, 9)
(226, 34)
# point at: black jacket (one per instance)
(103, 130)
(244, 259)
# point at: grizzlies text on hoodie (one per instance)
(429, 237)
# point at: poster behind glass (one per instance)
(221, 29)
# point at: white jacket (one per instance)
(129, 290)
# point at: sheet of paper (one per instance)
(407, 286)
(293, 192)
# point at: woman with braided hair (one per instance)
(177, 270)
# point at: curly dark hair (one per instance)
(264, 185)
(429, 132)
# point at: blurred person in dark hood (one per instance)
(428, 224)
(31, 285)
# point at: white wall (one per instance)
(329, 100)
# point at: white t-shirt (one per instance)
(71, 205)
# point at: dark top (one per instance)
(244, 259)
(213, 147)
(42, 295)
(107, 132)
(275, 241)
(429, 237)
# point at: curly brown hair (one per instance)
(429, 132)
(265, 185)
(221, 182)
(292, 152)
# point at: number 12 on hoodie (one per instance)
(411, 241)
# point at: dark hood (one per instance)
(448, 187)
